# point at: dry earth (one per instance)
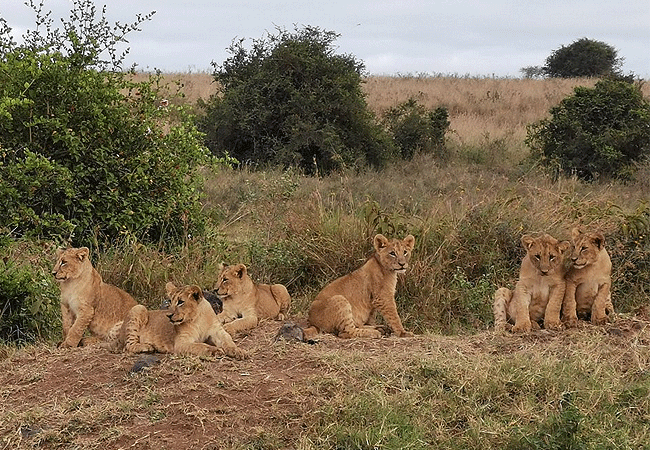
(90, 398)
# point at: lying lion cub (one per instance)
(346, 306)
(588, 283)
(540, 290)
(246, 303)
(188, 326)
(86, 301)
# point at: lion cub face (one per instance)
(183, 303)
(70, 263)
(394, 254)
(545, 252)
(231, 280)
(586, 247)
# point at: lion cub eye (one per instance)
(392, 253)
(537, 257)
(180, 303)
(552, 257)
(63, 263)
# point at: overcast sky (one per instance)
(392, 37)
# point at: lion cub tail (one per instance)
(502, 298)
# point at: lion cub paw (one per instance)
(522, 327)
(599, 320)
(236, 353)
(571, 323)
(553, 325)
(404, 334)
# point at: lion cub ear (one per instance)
(380, 241)
(598, 239)
(564, 246)
(527, 241)
(409, 242)
(82, 253)
(170, 287)
(196, 292)
(575, 233)
(240, 270)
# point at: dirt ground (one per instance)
(90, 398)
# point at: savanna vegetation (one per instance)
(179, 211)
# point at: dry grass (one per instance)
(485, 391)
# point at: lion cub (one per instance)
(86, 301)
(188, 326)
(346, 306)
(589, 280)
(540, 290)
(246, 303)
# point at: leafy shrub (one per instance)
(599, 131)
(28, 303)
(416, 129)
(85, 152)
(291, 101)
(583, 58)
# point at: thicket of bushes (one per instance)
(600, 131)
(86, 155)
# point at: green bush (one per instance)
(599, 131)
(28, 303)
(291, 101)
(84, 151)
(416, 129)
(583, 58)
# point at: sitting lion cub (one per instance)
(589, 281)
(346, 306)
(246, 303)
(86, 301)
(188, 326)
(540, 290)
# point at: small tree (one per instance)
(416, 129)
(598, 131)
(85, 152)
(583, 58)
(289, 100)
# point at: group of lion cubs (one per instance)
(191, 324)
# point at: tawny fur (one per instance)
(589, 280)
(246, 303)
(539, 291)
(86, 301)
(347, 305)
(188, 326)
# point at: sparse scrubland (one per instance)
(456, 385)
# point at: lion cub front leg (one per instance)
(247, 321)
(521, 299)
(388, 310)
(344, 325)
(602, 305)
(221, 339)
(569, 312)
(553, 307)
(76, 331)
